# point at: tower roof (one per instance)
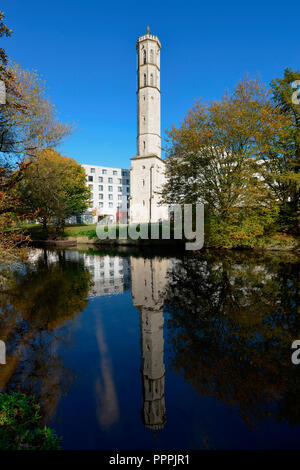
(148, 36)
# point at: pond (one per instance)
(127, 350)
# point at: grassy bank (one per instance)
(87, 233)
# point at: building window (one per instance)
(110, 188)
(143, 182)
(143, 203)
(119, 189)
(151, 79)
(110, 196)
(92, 170)
(128, 190)
(145, 80)
(91, 187)
(100, 204)
(90, 178)
(144, 56)
(120, 180)
(100, 187)
(100, 196)
(115, 172)
(119, 197)
(110, 204)
(104, 172)
(110, 180)
(151, 56)
(144, 144)
(124, 173)
(100, 179)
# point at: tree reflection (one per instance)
(230, 326)
(36, 304)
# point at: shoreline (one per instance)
(179, 244)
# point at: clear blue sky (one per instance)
(85, 50)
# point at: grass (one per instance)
(277, 241)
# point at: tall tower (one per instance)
(147, 168)
(148, 95)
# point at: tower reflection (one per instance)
(149, 281)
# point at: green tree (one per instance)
(283, 165)
(54, 188)
(215, 156)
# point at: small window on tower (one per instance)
(144, 145)
(151, 79)
(151, 56)
(145, 80)
(144, 56)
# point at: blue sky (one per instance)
(85, 51)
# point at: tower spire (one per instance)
(148, 29)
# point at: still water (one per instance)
(129, 351)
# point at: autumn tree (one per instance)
(214, 157)
(28, 123)
(54, 188)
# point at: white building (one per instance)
(110, 188)
(147, 172)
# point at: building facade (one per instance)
(110, 188)
(147, 172)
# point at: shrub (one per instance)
(19, 425)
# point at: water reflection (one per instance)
(149, 281)
(231, 325)
(223, 325)
(37, 305)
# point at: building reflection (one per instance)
(149, 281)
(110, 274)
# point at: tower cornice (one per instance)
(148, 63)
(148, 37)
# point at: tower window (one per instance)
(151, 56)
(145, 80)
(144, 143)
(151, 79)
(144, 56)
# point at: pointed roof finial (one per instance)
(148, 29)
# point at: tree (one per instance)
(283, 166)
(214, 157)
(54, 188)
(28, 123)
